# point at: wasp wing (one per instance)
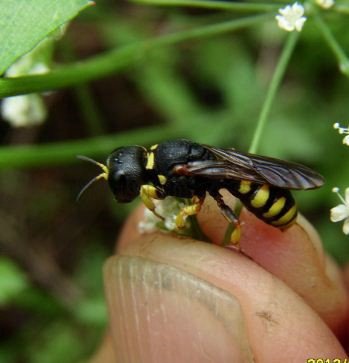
(231, 164)
(219, 169)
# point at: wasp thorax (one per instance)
(126, 172)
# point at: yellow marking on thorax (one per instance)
(286, 218)
(150, 161)
(261, 196)
(162, 179)
(245, 186)
(153, 147)
(275, 208)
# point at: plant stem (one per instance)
(273, 87)
(65, 152)
(333, 44)
(89, 110)
(217, 5)
(87, 105)
(195, 230)
(341, 8)
(115, 60)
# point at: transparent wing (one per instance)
(231, 164)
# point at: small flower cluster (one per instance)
(341, 211)
(291, 17)
(326, 4)
(168, 208)
(26, 110)
(342, 131)
(30, 109)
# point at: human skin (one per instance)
(175, 299)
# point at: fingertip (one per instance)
(294, 255)
(272, 312)
(105, 352)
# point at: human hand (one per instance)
(174, 299)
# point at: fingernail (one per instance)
(159, 313)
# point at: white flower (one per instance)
(149, 222)
(26, 110)
(29, 110)
(291, 17)
(326, 4)
(341, 211)
(25, 66)
(342, 131)
(167, 208)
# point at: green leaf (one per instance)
(24, 23)
(58, 342)
(91, 311)
(12, 280)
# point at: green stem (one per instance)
(87, 105)
(65, 152)
(217, 5)
(115, 60)
(333, 44)
(262, 120)
(273, 87)
(341, 8)
(89, 110)
(195, 230)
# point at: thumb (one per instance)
(173, 299)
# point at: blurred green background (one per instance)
(210, 89)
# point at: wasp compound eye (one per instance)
(126, 172)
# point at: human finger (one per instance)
(266, 313)
(295, 256)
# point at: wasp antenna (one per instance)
(103, 175)
(85, 158)
(82, 191)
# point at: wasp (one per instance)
(185, 169)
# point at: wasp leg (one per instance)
(231, 218)
(148, 193)
(189, 210)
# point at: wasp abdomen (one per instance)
(273, 205)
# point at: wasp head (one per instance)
(126, 172)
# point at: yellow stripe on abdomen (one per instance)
(286, 218)
(260, 197)
(275, 208)
(245, 187)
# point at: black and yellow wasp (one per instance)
(185, 169)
